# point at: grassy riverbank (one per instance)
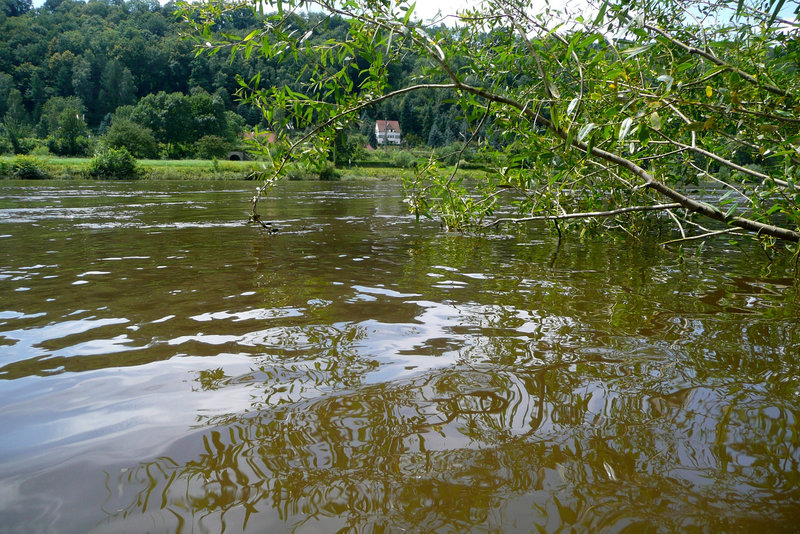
(78, 168)
(52, 167)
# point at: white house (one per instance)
(387, 132)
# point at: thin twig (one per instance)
(678, 222)
(703, 236)
(586, 215)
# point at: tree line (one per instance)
(74, 73)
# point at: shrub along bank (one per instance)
(120, 165)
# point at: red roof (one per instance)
(384, 126)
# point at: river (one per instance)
(166, 368)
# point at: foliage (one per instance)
(296, 173)
(51, 112)
(98, 57)
(14, 132)
(69, 138)
(105, 59)
(136, 139)
(606, 114)
(327, 172)
(404, 159)
(15, 8)
(212, 147)
(41, 150)
(115, 164)
(348, 148)
(27, 168)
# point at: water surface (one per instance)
(166, 368)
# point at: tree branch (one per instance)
(586, 215)
(434, 51)
(716, 61)
(701, 236)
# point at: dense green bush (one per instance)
(27, 144)
(27, 168)
(41, 150)
(5, 145)
(296, 173)
(327, 172)
(115, 164)
(404, 159)
(212, 146)
(136, 139)
(64, 146)
(449, 154)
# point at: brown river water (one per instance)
(166, 368)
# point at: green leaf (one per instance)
(590, 144)
(666, 79)
(636, 50)
(625, 128)
(773, 209)
(585, 130)
(655, 121)
(589, 40)
(572, 105)
(602, 13)
(410, 10)
(778, 8)
(552, 89)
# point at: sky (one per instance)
(425, 8)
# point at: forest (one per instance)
(77, 75)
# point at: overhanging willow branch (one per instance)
(585, 215)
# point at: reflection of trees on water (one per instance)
(472, 448)
(616, 400)
(636, 397)
(305, 362)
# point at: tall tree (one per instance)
(82, 81)
(116, 86)
(36, 94)
(15, 106)
(138, 140)
(69, 138)
(14, 121)
(60, 66)
(15, 8)
(52, 110)
(409, 119)
(169, 117)
(6, 85)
